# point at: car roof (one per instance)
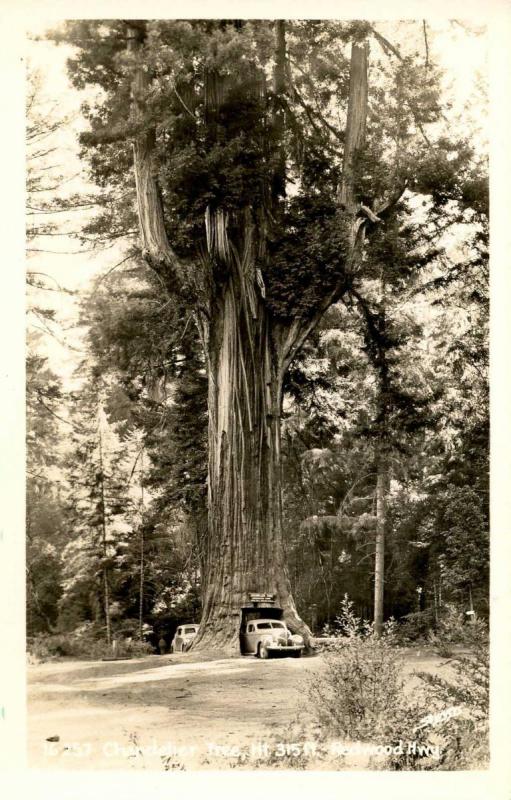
(264, 619)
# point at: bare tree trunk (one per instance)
(382, 466)
(106, 597)
(106, 592)
(141, 587)
(142, 542)
(382, 487)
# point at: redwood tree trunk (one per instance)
(245, 546)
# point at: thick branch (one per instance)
(307, 107)
(107, 135)
(156, 248)
(387, 46)
(389, 204)
(301, 328)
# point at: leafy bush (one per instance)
(415, 627)
(86, 642)
(46, 647)
(452, 629)
(452, 625)
(361, 693)
(464, 739)
(133, 648)
(361, 697)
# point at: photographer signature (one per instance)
(438, 718)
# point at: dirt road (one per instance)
(138, 713)
(170, 712)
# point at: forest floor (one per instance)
(182, 711)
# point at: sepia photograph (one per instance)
(257, 394)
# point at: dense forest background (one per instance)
(117, 453)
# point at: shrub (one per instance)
(415, 627)
(452, 629)
(360, 696)
(47, 647)
(85, 642)
(452, 626)
(133, 648)
(464, 739)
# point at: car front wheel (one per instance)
(263, 651)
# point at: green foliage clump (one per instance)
(464, 739)
(360, 696)
(416, 626)
(86, 643)
(307, 257)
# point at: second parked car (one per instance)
(183, 638)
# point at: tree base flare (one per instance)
(220, 631)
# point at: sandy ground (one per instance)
(174, 712)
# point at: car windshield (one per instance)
(189, 630)
(278, 625)
(264, 625)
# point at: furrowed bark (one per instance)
(246, 365)
(245, 546)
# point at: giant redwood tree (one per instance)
(258, 156)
